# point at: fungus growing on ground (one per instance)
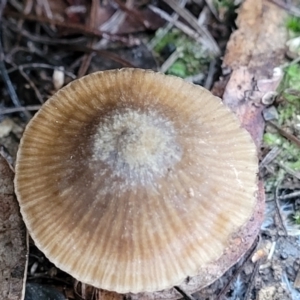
(131, 180)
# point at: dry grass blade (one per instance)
(181, 26)
(212, 8)
(167, 27)
(188, 17)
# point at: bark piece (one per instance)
(253, 53)
(13, 246)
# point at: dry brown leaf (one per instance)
(13, 241)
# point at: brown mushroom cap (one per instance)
(131, 180)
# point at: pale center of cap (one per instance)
(137, 145)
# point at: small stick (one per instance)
(249, 288)
(276, 198)
(32, 85)
(287, 135)
(5, 111)
(39, 65)
(185, 295)
(190, 19)
(269, 157)
(290, 196)
(211, 72)
(239, 270)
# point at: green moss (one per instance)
(292, 74)
(289, 117)
(293, 24)
(179, 69)
(272, 139)
(295, 166)
(290, 91)
(296, 217)
(227, 4)
(192, 58)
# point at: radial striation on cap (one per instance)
(131, 180)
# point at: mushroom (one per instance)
(131, 180)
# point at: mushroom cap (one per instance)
(131, 180)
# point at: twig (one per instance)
(289, 170)
(287, 135)
(6, 155)
(290, 196)
(293, 62)
(203, 16)
(171, 60)
(181, 26)
(272, 250)
(38, 65)
(87, 58)
(212, 8)
(43, 39)
(133, 14)
(211, 72)
(32, 85)
(103, 53)
(45, 5)
(185, 295)
(67, 46)
(188, 17)
(251, 281)
(269, 157)
(112, 25)
(12, 93)
(239, 270)
(277, 206)
(5, 111)
(87, 31)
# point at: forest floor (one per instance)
(242, 52)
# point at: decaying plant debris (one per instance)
(47, 44)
